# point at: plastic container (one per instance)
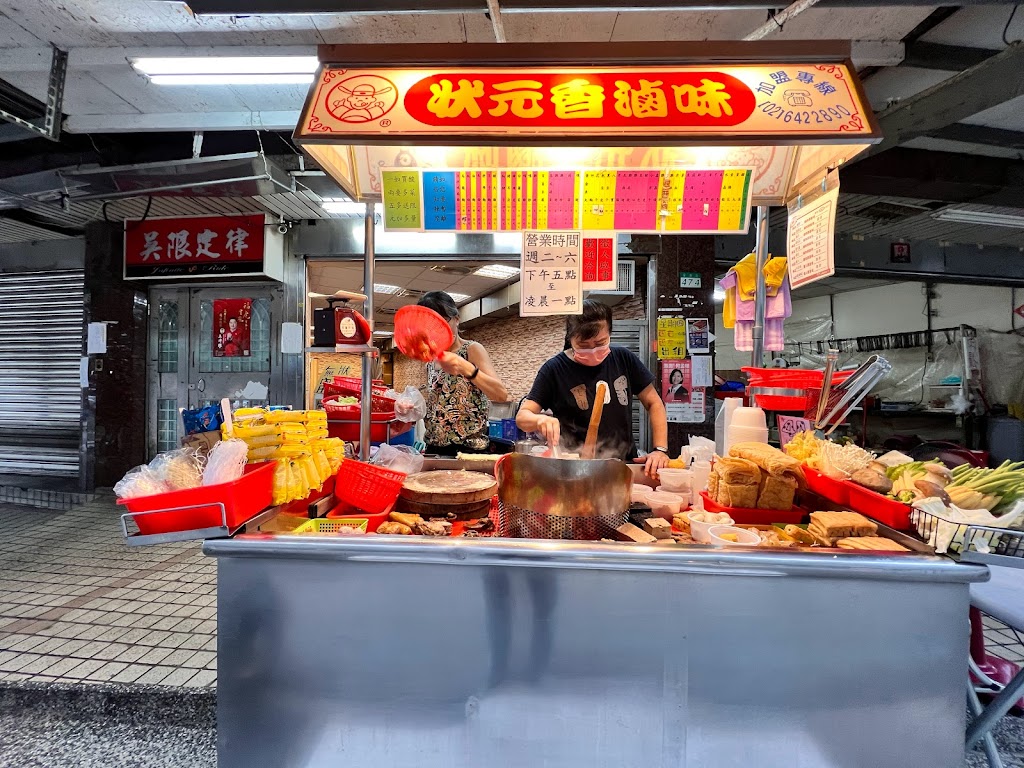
(679, 481)
(699, 530)
(887, 511)
(243, 499)
(640, 493)
(421, 333)
(748, 425)
(701, 474)
(665, 505)
(744, 516)
(368, 488)
(744, 538)
(836, 491)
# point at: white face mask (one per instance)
(591, 357)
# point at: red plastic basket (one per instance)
(421, 333)
(836, 491)
(888, 511)
(366, 487)
(243, 499)
(784, 389)
(345, 386)
(744, 516)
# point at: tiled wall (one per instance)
(517, 346)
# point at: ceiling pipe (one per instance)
(775, 23)
(494, 11)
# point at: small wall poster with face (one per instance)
(684, 403)
(232, 322)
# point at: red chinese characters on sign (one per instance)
(598, 260)
(548, 99)
(203, 245)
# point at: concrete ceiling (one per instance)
(909, 55)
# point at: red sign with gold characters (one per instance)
(789, 102)
(194, 246)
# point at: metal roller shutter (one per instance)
(632, 334)
(41, 318)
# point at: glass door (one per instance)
(206, 344)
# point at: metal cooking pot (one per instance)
(543, 498)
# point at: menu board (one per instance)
(636, 201)
(811, 246)
(402, 201)
(539, 200)
(551, 281)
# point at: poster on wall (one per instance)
(698, 335)
(600, 271)
(551, 277)
(323, 366)
(684, 403)
(232, 322)
(676, 381)
(671, 338)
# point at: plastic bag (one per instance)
(226, 462)
(409, 405)
(400, 458)
(141, 481)
(180, 469)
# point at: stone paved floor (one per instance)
(76, 604)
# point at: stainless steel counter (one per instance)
(404, 653)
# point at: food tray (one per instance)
(893, 513)
(743, 516)
(331, 525)
(373, 522)
(226, 505)
(836, 491)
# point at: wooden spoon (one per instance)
(590, 446)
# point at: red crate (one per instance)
(348, 429)
(887, 511)
(243, 499)
(744, 516)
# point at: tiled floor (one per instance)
(76, 604)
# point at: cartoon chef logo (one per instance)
(362, 99)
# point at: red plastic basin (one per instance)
(243, 499)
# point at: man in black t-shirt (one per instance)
(567, 385)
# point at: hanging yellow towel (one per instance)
(746, 282)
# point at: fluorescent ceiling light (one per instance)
(239, 79)
(227, 65)
(383, 333)
(389, 290)
(458, 298)
(497, 271)
(719, 295)
(982, 218)
(350, 207)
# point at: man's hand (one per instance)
(549, 428)
(653, 461)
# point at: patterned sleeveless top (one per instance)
(456, 409)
